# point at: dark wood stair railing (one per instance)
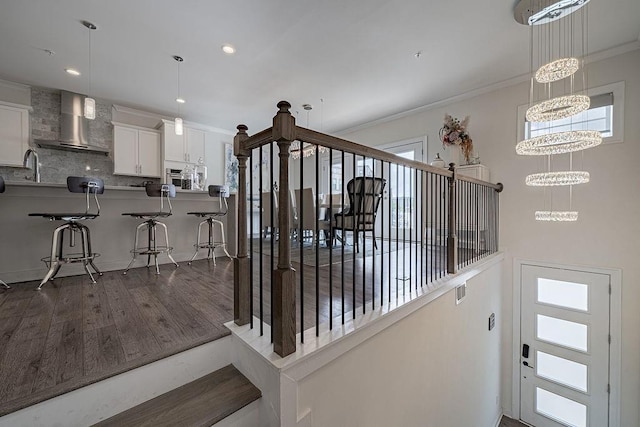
(283, 292)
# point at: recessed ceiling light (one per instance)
(228, 49)
(180, 100)
(72, 71)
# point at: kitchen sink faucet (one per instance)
(36, 163)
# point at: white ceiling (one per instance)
(357, 55)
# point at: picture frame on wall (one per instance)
(230, 169)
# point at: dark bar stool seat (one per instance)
(4, 285)
(164, 192)
(210, 218)
(75, 184)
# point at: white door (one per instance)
(564, 363)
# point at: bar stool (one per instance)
(4, 285)
(75, 184)
(222, 193)
(163, 191)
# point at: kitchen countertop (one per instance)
(106, 187)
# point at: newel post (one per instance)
(241, 265)
(284, 279)
(452, 238)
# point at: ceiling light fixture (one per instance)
(555, 53)
(179, 126)
(228, 49)
(89, 103)
(299, 149)
(72, 71)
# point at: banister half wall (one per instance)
(372, 229)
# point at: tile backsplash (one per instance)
(56, 165)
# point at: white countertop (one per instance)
(106, 187)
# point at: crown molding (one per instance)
(136, 112)
(594, 57)
(14, 85)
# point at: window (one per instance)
(605, 115)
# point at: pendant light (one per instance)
(178, 121)
(557, 91)
(89, 103)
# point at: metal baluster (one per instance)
(261, 273)
(342, 235)
(280, 235)
(316, 238)
(251, 258)
(301, 243)
(329, 242)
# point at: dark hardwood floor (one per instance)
(508, 422)
(73, 333)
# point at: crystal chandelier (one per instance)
(557, 92)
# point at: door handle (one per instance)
(525, 363)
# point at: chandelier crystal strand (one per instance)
(559, 143)
(558, 108)
(556, 216)
(557, 70)
(548, 179)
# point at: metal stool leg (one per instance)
(135, 247)
(56, 254)
(92, 256)
(4, 285)
(86, 251)
(197, 245)
(166, 237)
(224, 242)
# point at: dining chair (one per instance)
(306, 206)
(364, 194)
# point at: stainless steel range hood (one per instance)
(73, 127)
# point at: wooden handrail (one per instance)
(284, 131)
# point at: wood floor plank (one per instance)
(161, 322)
(69, 303)
(102, 350)
(135, 335)
(95, 304)
(20, 367)
(62, 356)
(202, 402)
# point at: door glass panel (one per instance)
(563, 294)
(561, 370)
(561, 409)
(562, 332)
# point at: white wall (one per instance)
(606, 234)
(438, 367)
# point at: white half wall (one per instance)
(439, 367)
(606, 234)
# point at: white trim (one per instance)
(615, 329)
(16, 106)
(14, 85)
(146, 129)
(136, 112)
(198, 126)
(594, 57)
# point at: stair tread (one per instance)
(202, 402)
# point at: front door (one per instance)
(564, 363)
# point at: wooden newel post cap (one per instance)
(500, 187)
(284, 106)
(242, 128)
(452, 167)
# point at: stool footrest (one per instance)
(70, 258)
(152, 251)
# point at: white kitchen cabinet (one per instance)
(194, 145)
(136, 151)
(14, 134)
(185, 148)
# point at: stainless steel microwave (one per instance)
(174, 176)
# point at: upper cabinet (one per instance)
(14, 134)
(185, 148)
(136, 151)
